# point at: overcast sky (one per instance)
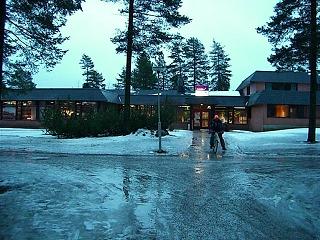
(232, 23)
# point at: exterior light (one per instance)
(159, 69)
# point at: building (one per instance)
(278, 100)
(263, 101)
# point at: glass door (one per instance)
(204, 119)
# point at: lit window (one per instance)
(282, 111)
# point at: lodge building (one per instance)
(266, 100)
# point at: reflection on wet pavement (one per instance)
(199, 195)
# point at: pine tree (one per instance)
(196, 63)
(30, 34)
(121, 79)
(163, 80)
(219, 70)
(294, 34)
(149, 23)
(93, 79)
(289, 33)
(176, 69)
(143, 75)
(87, 65)
(19, 78)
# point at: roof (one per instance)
(281, 97)
(227, 101)
(51, 94)
(153, 99)
(148, 97)
(277, 77)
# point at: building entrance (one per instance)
(200, 119)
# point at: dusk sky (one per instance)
(232, 23)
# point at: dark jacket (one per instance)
(216, 126)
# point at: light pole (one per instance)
(159, 69)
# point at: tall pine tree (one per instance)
(219, 68)
(93, 79)
(149, 23)
(87, 66)
(294, 34)
(30, 34)
(176, 68)
(196, 63)
(120, 80)
(143, 75)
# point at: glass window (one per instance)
(183, 114)
(299, 111)
(9, 110)
(283, 86)
(26, 111)
(205, 119)
(88, 108)
(282, 111)
(248, 90)
(68, 108)
(278, 111)
(240, 116)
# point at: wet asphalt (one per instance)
(233, 194)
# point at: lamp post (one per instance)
(159, 69)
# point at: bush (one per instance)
(107, 123)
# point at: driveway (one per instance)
(197, 195)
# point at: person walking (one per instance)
(216, 126)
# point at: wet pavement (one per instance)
(234, 194)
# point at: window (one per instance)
(26, 110)
(283, 86)
(287, 111)
(278, 111)
(68, 108)
(183, 114)
(240, 116)
(248, 90)
(88, 108)
(9, 110)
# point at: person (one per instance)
(216, 126)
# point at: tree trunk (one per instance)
(313, 75)
(2, 26)
(128, 65)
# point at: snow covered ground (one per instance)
(265, 186)
(140, 143)
(144, 143)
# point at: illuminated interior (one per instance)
(282, 111)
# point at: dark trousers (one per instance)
(223, 145)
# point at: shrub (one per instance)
(107, 123)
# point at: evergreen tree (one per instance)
(93, 79)
(219, 70)
(294, 34)
(30, 33)
(87, 65)
(289, 33)
(19, 78)
(163, 80)
(121, 79)
(148, 27)
(196, 63)
(143, 76)
(176, 69)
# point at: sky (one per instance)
(232, 23)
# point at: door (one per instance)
(200, 119)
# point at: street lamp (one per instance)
(159, 69)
